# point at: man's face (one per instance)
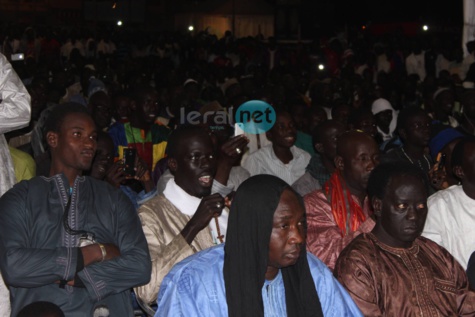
(103, 159)
(417, 130)
(445, 102)
(359, 160)
(403, 211)
(330, 137)
(367, 124)
(283, 133)
(101, 107)
(288, 233)
(384, 118)
(74, 146)
(149, 108)
(195, 165)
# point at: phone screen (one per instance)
(129, 161)
(17, 57)
(237, 129)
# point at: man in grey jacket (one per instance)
(70, 239)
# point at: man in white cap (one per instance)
(386, 118)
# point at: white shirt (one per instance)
(188, 205)
(264, 161)
(451, 222)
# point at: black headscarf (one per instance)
(247, 252)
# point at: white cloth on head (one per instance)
(450, 222)
(380, 105)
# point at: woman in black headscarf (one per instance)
(264, 269)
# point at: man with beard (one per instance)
(340, 211)
(70, 239)
(281, 158)
(186, 217)
(393, 271)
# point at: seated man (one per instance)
(186, 218)
(393, 271)
(322, 163)
(281, 158)
(413, 127)
(450, 221)
(70, 239)
(340, 211)
(263, 270)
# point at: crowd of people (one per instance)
(127, 190)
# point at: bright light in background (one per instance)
(321, 67)
(119, 23)
(191, 28)
(425, 27)
(364, 27)
(114, 5)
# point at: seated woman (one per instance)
(393, 270)
(263, 269)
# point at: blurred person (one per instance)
(15, 113)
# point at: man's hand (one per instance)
(92, 253)
(115, 175)
(209, 207)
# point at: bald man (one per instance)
(340, 211)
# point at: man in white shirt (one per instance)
(281, 158)
(451, 218)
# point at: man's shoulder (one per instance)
(199, 265)
(359, 247)
(316, 196)
(159, 204)
(445, 195)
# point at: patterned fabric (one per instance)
(324, 237)
(346, 211)
(195, 287)
(150, 147)
(423, 280)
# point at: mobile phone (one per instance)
(238, 129)
(129, 161)
(17, 57)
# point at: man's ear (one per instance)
(172, 165)
(339, 162)
(377, 206)
(458, 171)
(52, 139)
(318, 147)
